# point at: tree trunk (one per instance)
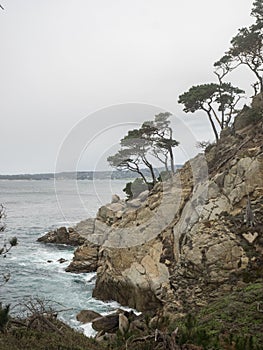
(172, 160)
(138, 172)
(213, 125)
(149, 166)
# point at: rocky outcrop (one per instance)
(135, 276)
(109, 323)
(63, 236)
(189, 239)
(85, 258)
(86, 316)
(197, 236)
(117, 321)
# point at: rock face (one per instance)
(187, 240)
(210, 231)
(85, 258)
(109, 323)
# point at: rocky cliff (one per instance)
(190, 239)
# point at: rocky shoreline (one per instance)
(186, 242)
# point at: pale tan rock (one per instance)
(143, 195)
(250, 237)
(86, 316)
(179, 246)
(115, 198)
(123, 323)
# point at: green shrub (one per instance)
(133, 189)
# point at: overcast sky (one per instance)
(65, 65)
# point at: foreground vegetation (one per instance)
(232, 321)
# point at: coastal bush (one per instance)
(190, 332)
(254, 116)
(4, 249)
(41, 340)
(133, 189)
(165, 176)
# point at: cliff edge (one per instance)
(191, 239)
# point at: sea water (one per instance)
(34, 207)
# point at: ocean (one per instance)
(32, 209)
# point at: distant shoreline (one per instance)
(82, 175)
(69, 176)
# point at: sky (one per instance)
(76, 75)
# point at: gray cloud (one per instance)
(62, 60)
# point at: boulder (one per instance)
(109, 323)
(143, 195)
(115, 198)
(134, 203)
(123, 323)
(63, 236)
(86, 316)
(109, 213)
(85, 258)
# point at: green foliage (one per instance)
(257, 13)
(191, 333)
(253, 116)
(159, 133)
(31, 339)
(235, 316)
(133, 189)
(153, 139)
(247, 49)
(198, 97)
(217, 100)
(164, 176)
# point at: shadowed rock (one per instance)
(63, 236)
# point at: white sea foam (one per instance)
(32, 210)
(88, 330)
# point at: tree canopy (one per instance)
(218, 101)
(247, 49)
(153, 139)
